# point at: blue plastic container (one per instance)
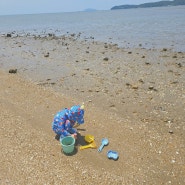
(67, 144)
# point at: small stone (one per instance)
(164, 49)
(128, 84)
(9, 35)
(172, 161)
(179, 65)
(151, 87)
(171, 131)
(141, 81)
(13, 71)
(106, 59)
(46, 55)
(135, 87)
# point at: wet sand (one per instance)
(133, 97)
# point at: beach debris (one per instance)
(13, 71)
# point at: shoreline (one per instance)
(132, 96)
(80, 36)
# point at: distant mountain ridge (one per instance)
(154, 4)
(90, 10)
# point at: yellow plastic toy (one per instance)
(91, 145)
(89, 139)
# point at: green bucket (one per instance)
(67, 144)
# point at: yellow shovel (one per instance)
(91, 145)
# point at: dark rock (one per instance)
(73, 34)
(179, 65)
(9, 35)
(135, 86)
(46, 55)
(87, 69)
(106, 59)
(128, 84)
(151, 87)
(13, 71)
(164, 49)
(141, 81)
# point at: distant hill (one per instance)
(148, 5)
(90, 10)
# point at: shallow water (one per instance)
(144, 27)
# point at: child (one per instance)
(64, 121)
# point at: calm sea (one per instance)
(162, 27)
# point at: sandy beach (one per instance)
(133, 97)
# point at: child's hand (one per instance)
(74, 135)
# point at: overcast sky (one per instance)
(51, 6)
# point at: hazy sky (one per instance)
(52, 6)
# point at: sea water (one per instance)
(162, 27)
